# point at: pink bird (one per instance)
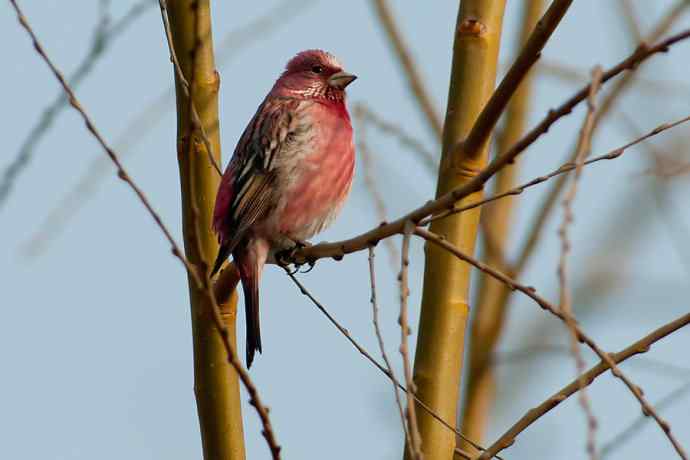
(289, 176)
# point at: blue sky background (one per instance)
(95, 339)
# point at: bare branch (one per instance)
(414, 79)
(641, 346)
(581, 336)
(530, 53)
(563, 169)
(194, 114)
(201, 282)
(583, 149)
(366, 114)
(630, 18)
(144, 122)
(537, 225)
(376, 364)
(338, 249)
(103, 36)
(370, 181)
(574, 75)
(382, 347)
(621, 438)
(405, 331)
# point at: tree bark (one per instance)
(216, 384)
(445, 308)
(491, 306)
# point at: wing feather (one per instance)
(254, 167)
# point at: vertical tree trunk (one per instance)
(491, 303)
(216, 384)
(445, 308)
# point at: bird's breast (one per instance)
(322, 178)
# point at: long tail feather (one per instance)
(250, 261)
(250, 285)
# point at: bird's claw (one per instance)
(286, 257)
(312, 264)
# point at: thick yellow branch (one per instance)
(215, 383)
(438, 360)
(490, 314)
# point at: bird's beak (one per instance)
(341, 79)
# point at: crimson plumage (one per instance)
(289, 176)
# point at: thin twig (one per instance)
(366, 114)
(202, 283)
(621, 438)
(414, 79)
(121, 172)
(144, 122)
(538, 223)
(415, 438)
(103, 36)
(338, 249)
(533, 352)
(531, 51)
(196, 125)
(370, 181)
(572, 74)
(269, 23)
(584, 147)
(641, 346)
(563, 169)
(581, 336)
(376, 364)
(382, 347)
(194, 114)
(630, 18)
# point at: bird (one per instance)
(289, 176)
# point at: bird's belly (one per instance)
(316, 199)
(315, 180)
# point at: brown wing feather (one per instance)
(253, 166)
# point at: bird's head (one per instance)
(314, 73)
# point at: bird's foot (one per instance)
(312, 264)
(286, 257)
(300, 244)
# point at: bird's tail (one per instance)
(250, 261)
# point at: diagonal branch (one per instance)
(359, 243)
(641, 346)
(565, 317)
(200, 282)
(530, 53)
(537, 225)
(407, 141)
(584, 147)
(194, 114)
(415, 444)
(145, 121)
(380, 367)
(382, 347)
(414, 79)
(370, 179)
(490, 314)
(103, 37)
(625, 435)
(563, 169)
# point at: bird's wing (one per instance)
(253, 167)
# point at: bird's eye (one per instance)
(317, 69)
